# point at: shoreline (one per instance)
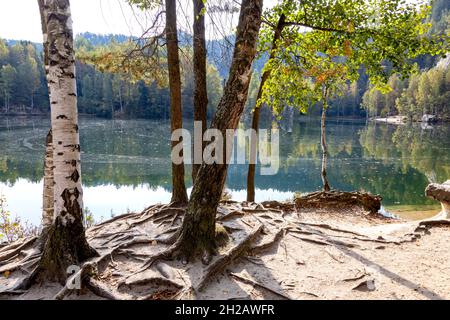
(279, 252)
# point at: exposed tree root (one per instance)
(157, 216)
(340, 199)
(435, 223)
(225, 260)
(101, 290)
(314, 241)
(107, 222)
(153, 283)
(230, 215)
(360, 237)
(328, 227)
(259, 286)
(166, 254)
(268, 244)
(23, 264)
(122, 236)
(111, 235)
(11, 246)
(87, 270)
(15, 249)
(283, 206)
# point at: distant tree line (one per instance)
(22, 79)
(23, 88)
(426, 92)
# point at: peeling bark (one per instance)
(179, 194)
(66, 242)
(257, 111)
(199, 225)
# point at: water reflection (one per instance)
(126, 163)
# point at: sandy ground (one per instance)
(275, 252)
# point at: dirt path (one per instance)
(275, 252)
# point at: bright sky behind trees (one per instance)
(19, 19)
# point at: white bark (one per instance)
(48, 192)
(61, 80)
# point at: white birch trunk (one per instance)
(48, 192)
(66, 243)
(68, 199)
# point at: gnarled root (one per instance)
(225, 260)
(13, 251)
(339, 199)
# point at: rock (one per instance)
(429, 118)
(440, 192)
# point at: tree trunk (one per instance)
(198, 229)
(66, 243)
(257, 112)
(120, 98)
(200, 91)
(48, 191)
(48, 196)
(179, 194)
(326, 185)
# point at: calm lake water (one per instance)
(126, 164)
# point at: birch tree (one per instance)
(66, 243)
(47, 194)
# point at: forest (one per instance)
(266, 91)
(23, 87)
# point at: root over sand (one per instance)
(275, 251)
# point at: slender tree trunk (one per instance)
(179, 194)
(200, 91)
(326, 185)
(257, 112)
(198, 229)
(120, 98)
(66, 243)
(48, 193)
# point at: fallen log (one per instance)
(339, 200)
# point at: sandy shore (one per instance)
(274, 252)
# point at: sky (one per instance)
(19, 19)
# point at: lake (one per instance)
(126, 164)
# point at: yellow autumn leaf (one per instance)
(348, 48)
